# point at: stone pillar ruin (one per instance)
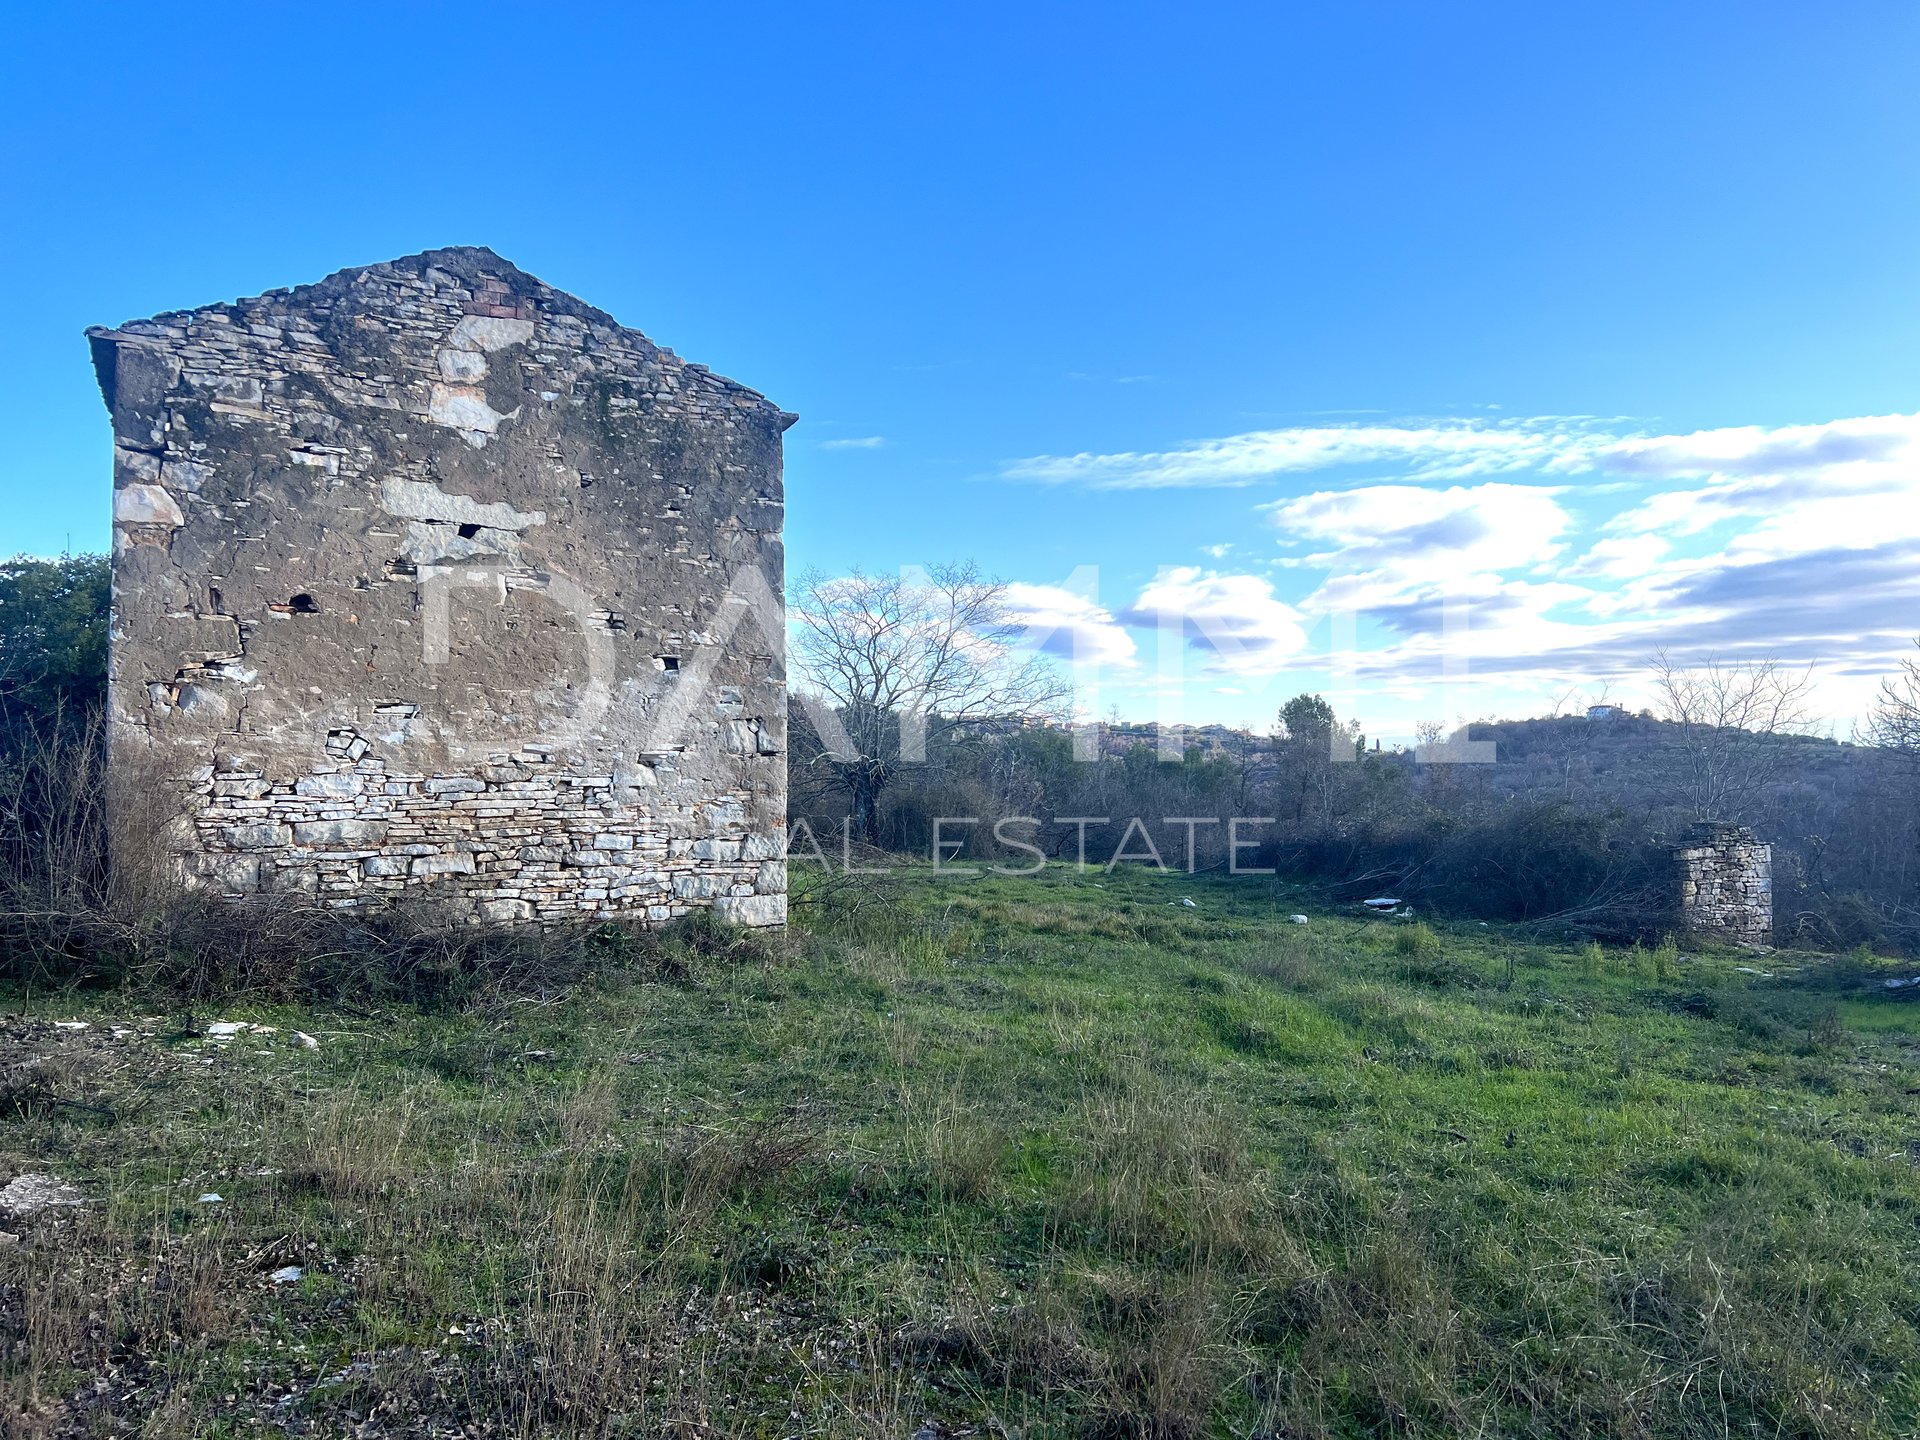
(430, 578)
(1725, 878)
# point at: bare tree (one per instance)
(1731, 716)
(1896, 713)
(909, 664)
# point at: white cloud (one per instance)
(1387, 544)
(857, 442)
(1235, 619)
(1846, 484)
(1440, 451)
(1064, 623)
(1799, 541)
(1623, 557)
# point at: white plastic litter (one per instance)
(1297, 919)
(1382, 902)
(287, 1274)
(71, 1025)
(212, 1199)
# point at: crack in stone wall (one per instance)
(406, 567)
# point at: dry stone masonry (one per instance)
(1726, 884)
(431, 578)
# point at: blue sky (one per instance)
(1265, 313)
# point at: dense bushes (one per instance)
(1521, 861)
(53, 640)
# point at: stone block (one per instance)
(430, 865)
(257, 835)
(455, 785)
(761, 910)
(339, 834)
(763, 845)
(342, 785)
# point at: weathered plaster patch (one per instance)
(463, 367)
(146, 505)
(428, 543)
(485, 332)
(465, 408)
(416, 500)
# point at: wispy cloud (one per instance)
(1386, 544)
(1441, 450)
(857, 442)
(1846, 484)
(1571, 549)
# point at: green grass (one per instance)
(1050, 1154)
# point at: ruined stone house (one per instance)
(1724, 877)
(431, 578)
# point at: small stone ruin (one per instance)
(431, 578)
(1726, 883)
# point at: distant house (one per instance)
(1604, 712)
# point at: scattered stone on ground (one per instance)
(27, 1195)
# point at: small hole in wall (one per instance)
(303, 605)
(669, 662)
(467, 532)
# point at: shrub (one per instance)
(1416, 941)
(1666, 959)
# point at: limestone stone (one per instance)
(339, 833)
(399, 560)
(1724, 884)
(752, 909)
(255, 835)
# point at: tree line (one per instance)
(915, 700)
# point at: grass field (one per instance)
(1032, 1157)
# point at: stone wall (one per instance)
(1725, 879)
(429, 577)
